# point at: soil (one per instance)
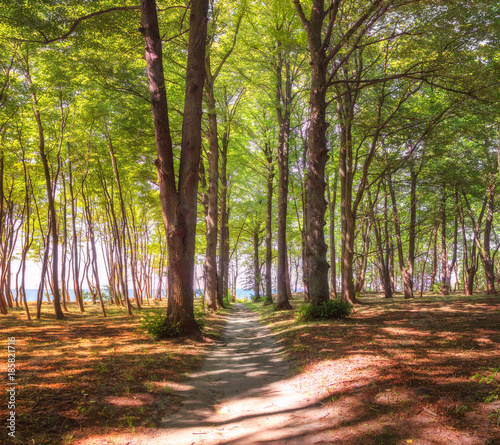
(395, 372)
(243, 394)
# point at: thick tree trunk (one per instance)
(179, 201)
(315, 246)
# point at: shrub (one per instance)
(200, 315)
(155, 323)
(325, 310)
(435, 289)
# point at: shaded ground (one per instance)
(394, 373)
(400, 372)
(88, 375)
(242, 394)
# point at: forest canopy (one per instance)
(170, 147)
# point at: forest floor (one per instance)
(400, 372)
(395, 372)
(90, 376)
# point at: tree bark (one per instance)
(256, 263)
(75, 250)
(50, 199)
(283, 103)
(488, 265)
(178, 201)
(269, 216)
(315, 245)
(332, 202)
(211, 284)
(406, 271)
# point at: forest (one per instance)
(182, 154)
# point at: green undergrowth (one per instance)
(156, 324)
(329, 309)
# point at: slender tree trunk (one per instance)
(363, 259)
(488, 265)
(283, 98)
(3, 305)
(383, 262)
(332, 202)
(211, 284)
(64, 249)
(269, 216)
(125, 233)
(256, 264)
(406, 271)
(50, 199)
(95, 270)
(75, 250)
(348, 217)
(444, 252)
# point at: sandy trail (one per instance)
(241, 395)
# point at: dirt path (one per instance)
(241, 395)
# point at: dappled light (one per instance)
(89, 374)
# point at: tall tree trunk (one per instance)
(363, 259)
(178, 201)
(488, 265)
(65, 296)
(256, 263)
(406, 271)
(211, 284)
(332, 202)
(383, 266)
(75, 250)
(434, 260)
(95, 270)
(269, 219)
(283, 101)
(445, 289)
(224, 227)
(348, 217)
(315, 246)
(50, 199)
(212, 287)
(125, 233)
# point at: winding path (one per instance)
(241, 395)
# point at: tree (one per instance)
(178, 198)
